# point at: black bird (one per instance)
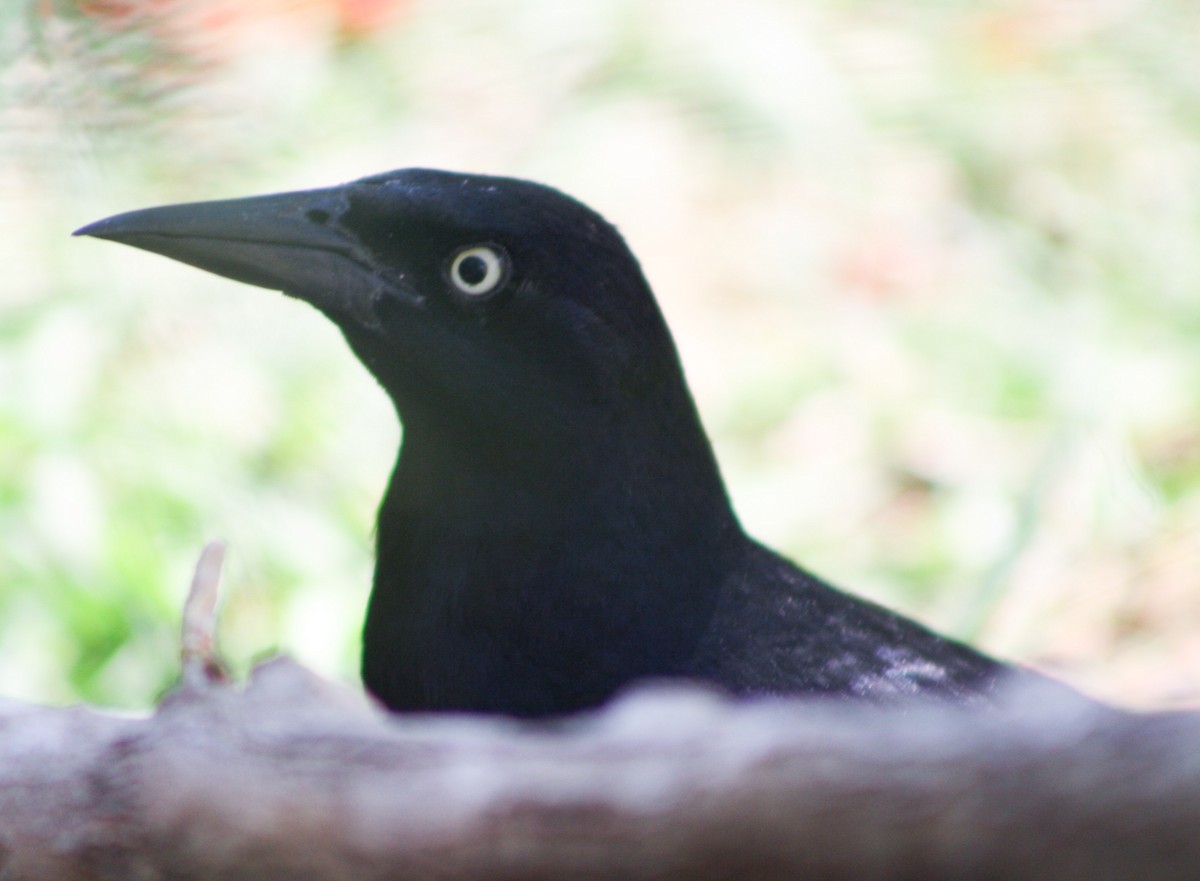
(556, 526)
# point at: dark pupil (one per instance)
(472, 270)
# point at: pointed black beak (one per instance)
(291, 242)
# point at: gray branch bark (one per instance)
(295, 777)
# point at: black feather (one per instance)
(556, 526)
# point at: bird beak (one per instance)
(290, 242)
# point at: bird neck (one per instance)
(643, 476)
(615, 538)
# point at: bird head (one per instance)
(474, 300)
(555, 498)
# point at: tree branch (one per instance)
(294, 777)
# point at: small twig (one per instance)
(200, 664)
(992, 585)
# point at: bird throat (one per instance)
(506, 578)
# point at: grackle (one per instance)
(556, 526)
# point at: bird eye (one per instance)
(479, 269)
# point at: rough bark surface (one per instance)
(293, 777)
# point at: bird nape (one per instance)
(556, 526)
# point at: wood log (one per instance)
(295, 777)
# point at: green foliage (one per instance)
(932, 270)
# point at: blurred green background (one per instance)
(934, 270)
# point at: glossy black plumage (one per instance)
(556, 525)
